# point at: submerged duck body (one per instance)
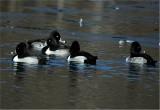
(80, 56)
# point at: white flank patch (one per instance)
(29, 60)
(61, 52)
(79, 59)
(136, 60)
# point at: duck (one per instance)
(124, 42)
(136, 56)
(23, 55)
(55, 48)
(80, 56)
(38, 44)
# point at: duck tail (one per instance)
(91, 60)
(95, 57)
(153, 63)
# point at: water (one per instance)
(112, 83)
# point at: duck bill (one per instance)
(62, 41)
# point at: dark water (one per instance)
(112, 83)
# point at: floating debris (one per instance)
(12, 53)
(80, 22)
(117, 8)
(73, 33)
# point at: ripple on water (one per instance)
(55, 62)
(148, 7)
(105, 76)
(55, 10)
(106, 24)
(2, 82)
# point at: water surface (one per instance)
(111, 83)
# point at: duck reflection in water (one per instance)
(135, 71)
(19, 71)
(72, 84)
(135, 67)
(78, 74)
(19, 74)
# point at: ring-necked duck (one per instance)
(80, 56)
(38, 44)
(136, 56)
(55, 48)
(22, 55)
